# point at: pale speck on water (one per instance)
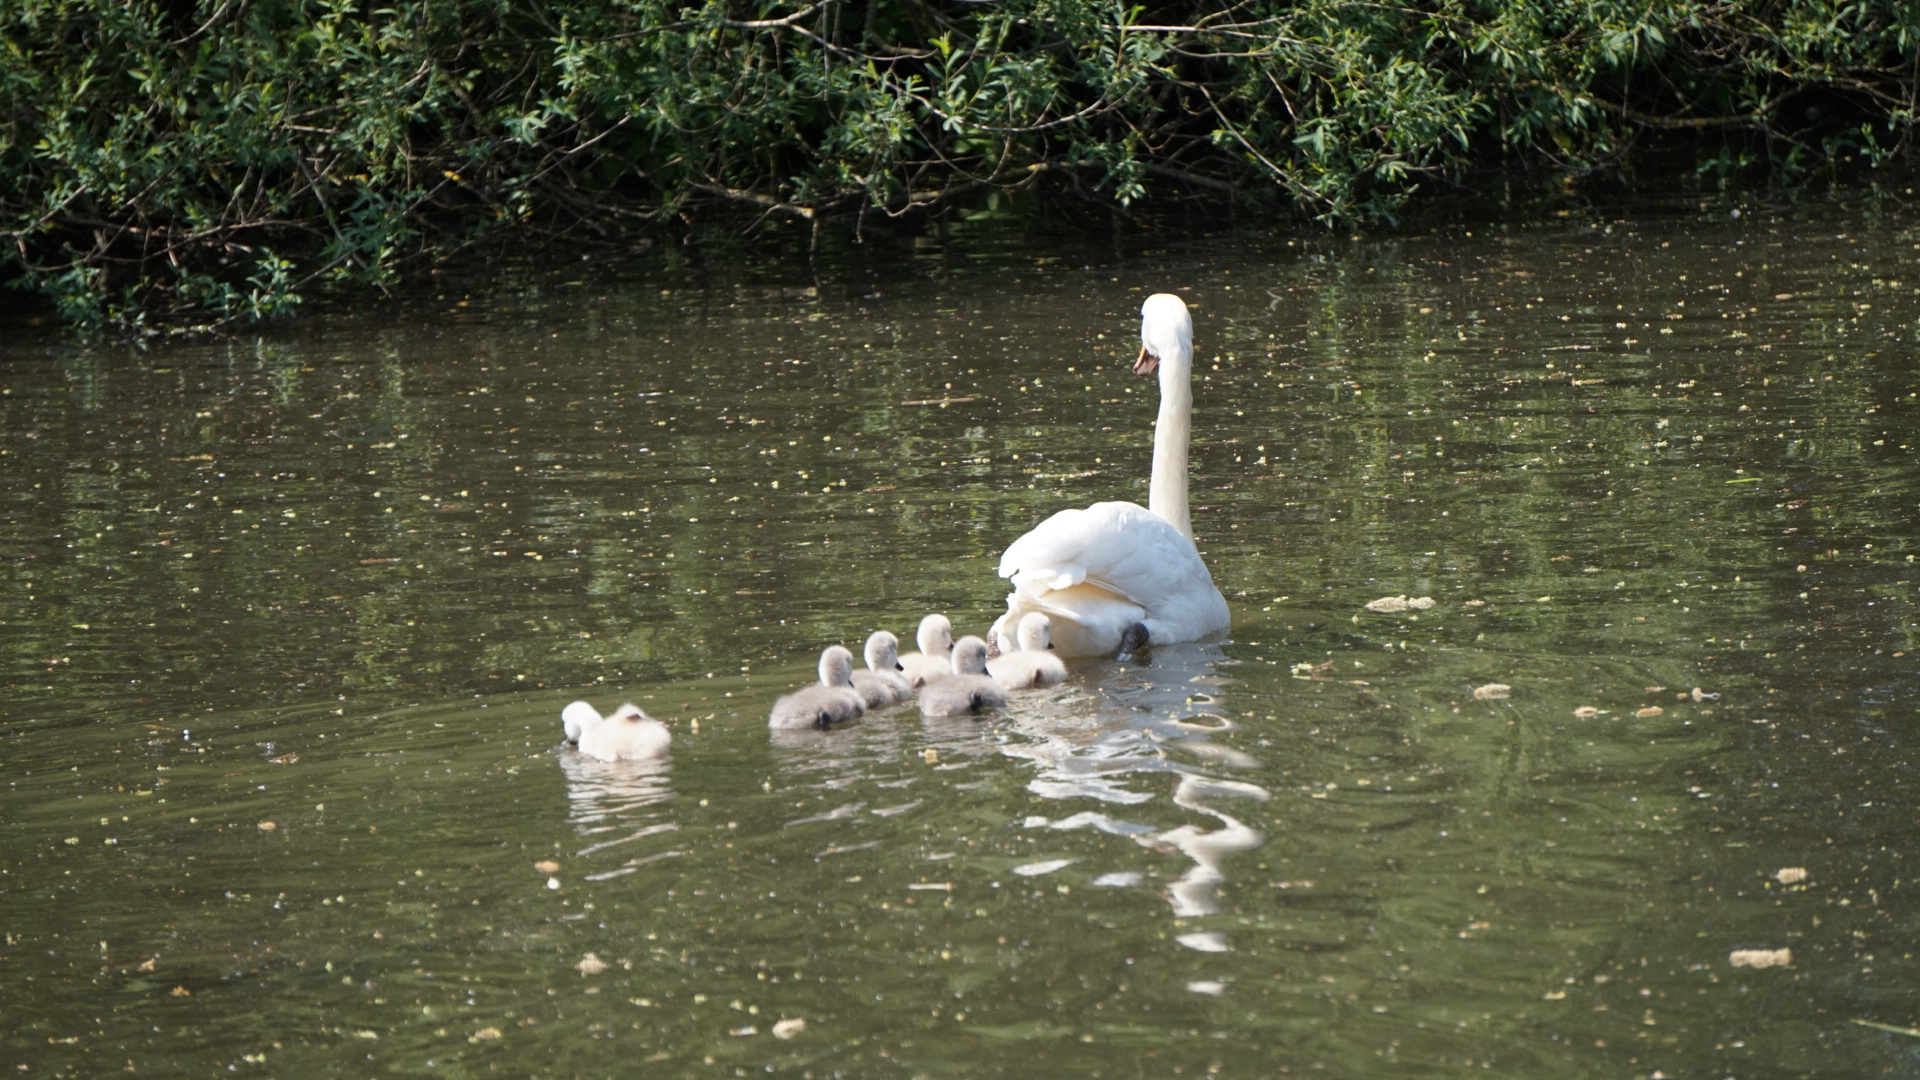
(1500, 834)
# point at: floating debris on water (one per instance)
(1651, 710)
(1790, 875)
(1760, 958)
(787, 1029)
(553, 883)
(591, 965)
(1035, 869)
(1585, 712)
(1493, 691)
(268, 826)
(547, 866)
(485, 1034)
(1702, 695)
(1390, 604)
(1207, 986)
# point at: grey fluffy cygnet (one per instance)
(1034, 664)
(967, 689)
(828, 702)
(578, 719)
(933, 661)
(882, 684)
(627, 735)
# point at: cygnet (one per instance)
(967, 689)
(933, 661)
(1034, 664)
(578, 719)
(828, 702)
(627, 735)
(882, 684)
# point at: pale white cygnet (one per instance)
(1034, 664)
(934, 659)
(826, 703)
(882, 684)
(967, 689)
(578, 719)
(627, 735)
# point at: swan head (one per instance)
(836, 667)
(578, 719)
(935, 636)
(1036, 632)
(883, 652)
(970, 656)
(1166, 337)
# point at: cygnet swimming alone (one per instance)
(578, 719)
(934, 660)
(882, 684)
(826, 703)
(627, 735)
(967, 689)
(1034, 664)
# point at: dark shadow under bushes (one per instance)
(182, 163)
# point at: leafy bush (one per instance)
(200, 162)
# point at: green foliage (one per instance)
(207, 161)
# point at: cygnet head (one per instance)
(1036, 632)
(935, 636)
(1166, 337)
(970, 656)
(836, 667)
(578, 719)
(883, 651)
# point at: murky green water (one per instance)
(342, 581)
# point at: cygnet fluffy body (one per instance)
(578, 719)
(882, 684)
(967, 689)
(627, 735)
(933, 661)
(1034, 664)
(826, 703)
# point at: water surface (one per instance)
(289, 623)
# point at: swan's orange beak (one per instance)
(1144, 366)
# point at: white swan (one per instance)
(627, 735)
(935, 638)
(882, 684)
(1115, 576)
(827, 702)
(1034, 663)
(967, 688)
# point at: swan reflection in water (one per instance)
(606, 800)
(1096, 738)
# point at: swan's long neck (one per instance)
(1167, 490)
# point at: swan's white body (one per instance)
(967, 688)
(1098, 571)
(627, 735)
(935, 658)
(882, 684)
(827, 702)
(1034, 663)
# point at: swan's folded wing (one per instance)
(1111, 544)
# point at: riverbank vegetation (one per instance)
(205, 162)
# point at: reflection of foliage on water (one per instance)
(430, 526)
